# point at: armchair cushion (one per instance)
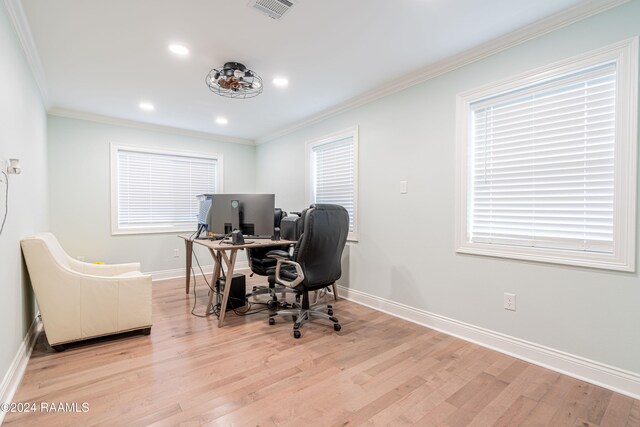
(104, 270)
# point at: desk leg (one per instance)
(231, 264)
(188, 246)
(217, 261)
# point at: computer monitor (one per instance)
(252, 214)
(204, 204)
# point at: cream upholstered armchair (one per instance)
(80, 300)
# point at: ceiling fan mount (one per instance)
(234, 80)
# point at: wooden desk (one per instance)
(188, 249)
(227, 253)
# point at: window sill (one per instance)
(134, 231)
(550, 256)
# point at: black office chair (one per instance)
(315, 263)
(260, 264)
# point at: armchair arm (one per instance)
(289, 283)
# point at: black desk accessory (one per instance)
(237, 238)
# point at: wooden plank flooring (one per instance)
(378, 370)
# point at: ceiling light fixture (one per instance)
(234, 80)
(281, 82)
(179, 49)
(146, 106)
(222, 120)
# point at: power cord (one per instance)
(6, 201)
(247, 303)
(195, 296)
(216, 307)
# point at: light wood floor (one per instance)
(378, 370)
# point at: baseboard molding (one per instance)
(12, 378)
(179, 272)
(612, 378)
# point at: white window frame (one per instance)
(309, 187)
(623, 258)
(115, 147)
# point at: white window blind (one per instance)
(542, 163)
(333, 174)
(157, 190)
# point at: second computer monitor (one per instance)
(252, 214)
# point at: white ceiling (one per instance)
(105, 56)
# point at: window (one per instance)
(333, 173)
(154, 191)
(547, 163)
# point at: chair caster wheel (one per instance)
(272, 321)
(272, 305)
(255, 289)
(329, 306)
(297, 334)
(330, 312)
(336, 327)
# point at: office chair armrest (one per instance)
(289, 283)
(278, 254)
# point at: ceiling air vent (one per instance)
(274, 9)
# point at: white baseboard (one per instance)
(12, 378)
(179, 272)
(618, 380)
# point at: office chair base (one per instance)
(303, 315)
(266, 290)
(276, 305)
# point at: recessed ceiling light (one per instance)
(146, 106)
(222, 120)
(280, 82)
(179, 49)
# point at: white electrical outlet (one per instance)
(403, 187)
(510, 301)
(176, 253)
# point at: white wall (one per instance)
(22, 135)
(406, 249)
(79, 189)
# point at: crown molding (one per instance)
(524, 34)
(72, 114)
(23, 31)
